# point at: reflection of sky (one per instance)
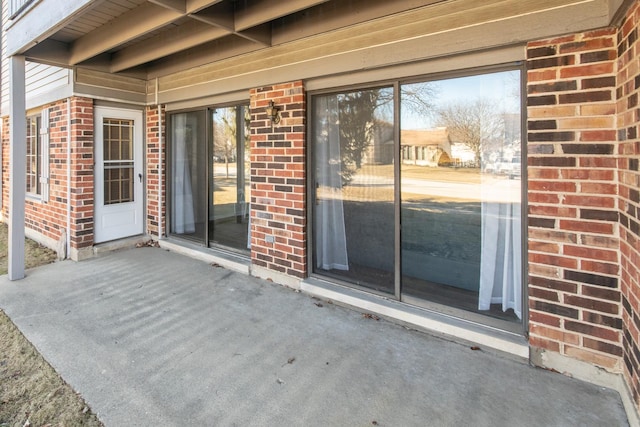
(503, 88)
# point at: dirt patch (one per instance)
(31, 392)
(35, 254)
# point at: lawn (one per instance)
(31, 392)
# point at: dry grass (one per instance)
(35, 254)
(31, 392)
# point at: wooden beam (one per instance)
(208, 53)
(17, 166)
(194, 6)
(167, 43)
(220, 15)
(260, 34)
(175, 5)
(261, 11)
(50, 52)
(126, 27)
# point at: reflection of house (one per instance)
(462, 155)
(426, 147)
(380, 152)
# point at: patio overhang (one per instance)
(152, 37)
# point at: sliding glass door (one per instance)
(354, 212)
(209, 179)
(229, 180)
(418, 191)
(461, 193)
(188, 172)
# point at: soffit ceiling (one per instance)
(132, 36)
(139, 37)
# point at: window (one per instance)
(433, 172)
(118, 161)
(38, 156)
(34, 155)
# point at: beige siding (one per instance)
(40, 79)
(44, 78)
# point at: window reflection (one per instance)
(354, 212)
(461, 193)
(459, 161)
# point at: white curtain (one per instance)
(331, 240)
(183, 217)
(501, 265)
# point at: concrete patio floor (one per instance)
(149, 338)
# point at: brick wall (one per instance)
(49, 218)
(155, 129)
(278, 183)
(629, 188)
(82, 182)
(573, 283)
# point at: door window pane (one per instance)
(230, 190)
(118, 161)
(354, 187)
(188, 185)
(461, 193)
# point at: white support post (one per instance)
(17, 166)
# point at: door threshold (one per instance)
(103, 248)
(224, 259)
(433, 322)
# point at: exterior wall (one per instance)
(629, 199)
(82, 183)
(48, 218)
(574, 292)
(278, 180)
(155, 169)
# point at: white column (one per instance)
(17, 166)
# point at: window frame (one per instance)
(40, 137)
(34, 141)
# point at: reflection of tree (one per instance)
(356, 116)
(360, 112)
(224, 136)
(477, 124)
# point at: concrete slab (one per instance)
(149, 337)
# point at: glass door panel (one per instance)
(230, 178)
(188, 184)
(461, 193)
(118, 161)
(354, 188)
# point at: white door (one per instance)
(119, 177)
